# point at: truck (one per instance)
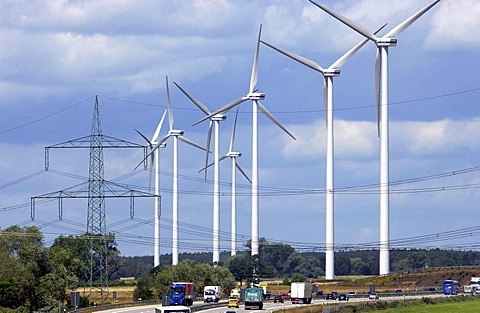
(235, 293)
(253, 297)
(301, 292)
(266, 293)
(211, 294)
(474, 287)
(182, 293)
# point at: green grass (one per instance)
(469, 306)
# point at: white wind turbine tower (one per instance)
(328, 74)
(155, 164)
(214, 120)
(254, 96)
(177, 135)
(233, 155)
(381, 90)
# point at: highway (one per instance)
(269, 306)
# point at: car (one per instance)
(352, 293)
(319, 293)
(343, 297)
(278, 298)
(373, 296)
(432, 289)
(233, 302)
(285, 296)
(399, 290)
(331, 296)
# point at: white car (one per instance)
(373, 296)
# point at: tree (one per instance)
(240, 267)
(144, 289)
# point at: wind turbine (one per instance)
(328, 74)
(214, 120)
(154, 163)
(255, 97)
(381, 91)
(177, 135)
(233, 155)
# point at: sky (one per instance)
(56, 56)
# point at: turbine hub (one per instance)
(256, 96)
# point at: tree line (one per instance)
(34, 277)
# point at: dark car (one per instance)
(278, 298)
(331, 296)
(343, 297)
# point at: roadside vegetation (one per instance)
(36, 278)
(425, 305)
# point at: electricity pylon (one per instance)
(97, 271)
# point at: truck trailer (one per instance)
(301, 293)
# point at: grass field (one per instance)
(447, 307)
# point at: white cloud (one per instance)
(455, 26)
(358, 139)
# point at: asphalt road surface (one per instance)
(270, 306)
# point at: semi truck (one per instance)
(301, 293)
(182, 293)
(474, 287)
(253, 297)
(211, 294)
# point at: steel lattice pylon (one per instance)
(96, 223)
(99, 189)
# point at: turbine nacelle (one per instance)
(331, 72)
(175, 132)
(234, 154)
(386, 42)
(162, 145)
(256, 96)
(218, 117)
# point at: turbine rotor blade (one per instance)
(402, 26)
(353, 25)
(272, 118)
(209, 165)
(377, 89)
(209, 138)
(188, 141)
(159, 126)
(232, 139)
(243, 173)
(351, 52)
(253, 78)
(145, 138)
(311, 64)
(200, 105)
(223, 109)
(169, 106)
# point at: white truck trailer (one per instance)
(301, 292)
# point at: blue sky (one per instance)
(56, 56)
